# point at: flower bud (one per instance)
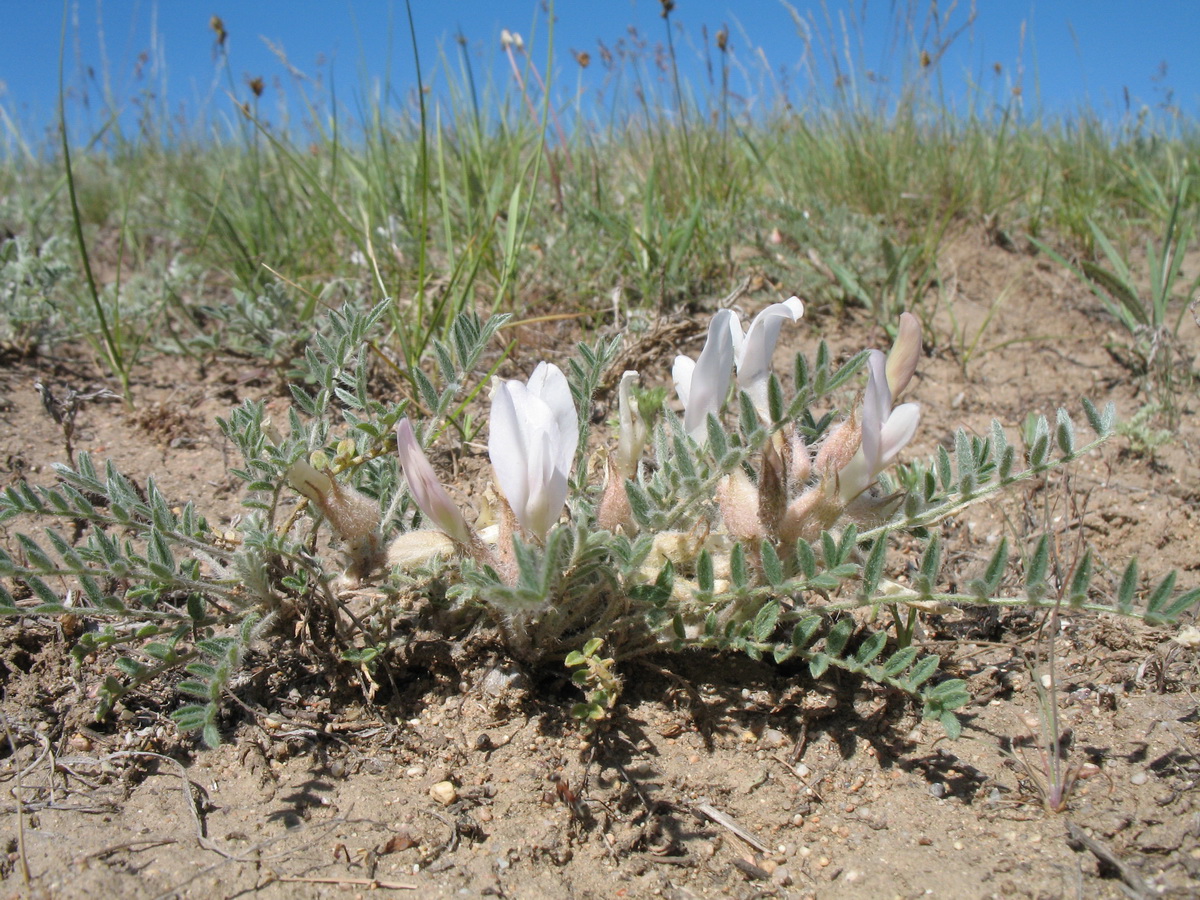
(353, 517)
(814, 511)
(839, 447)
(905, 352)
(632, 430)
(425, 488)
(800, 464)
(615, 512)
(738, 499)
(772, 489)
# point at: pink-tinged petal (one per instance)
(897, 432)
(904, 355)
(423, 483)
(877, 403)
(712, 374)
(755, 352)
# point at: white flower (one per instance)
(885, 431)
(753, 353)
(702, 384)
(534, 433)
(423, 483)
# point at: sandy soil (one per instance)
(719, 777)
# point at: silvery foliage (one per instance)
(154, 584)
(33, 285)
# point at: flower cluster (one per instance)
(532, 442)
(534, 435)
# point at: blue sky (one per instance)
(1064, 56)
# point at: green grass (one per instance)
(480, 197)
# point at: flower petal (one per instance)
(545, 482)
(549, 384)
(897, 432)
(423, 483)
(755, 352)
(904, 355)
(877, 403)
(506, 446)
(532, 443)
(712, 374)
(855, 477)
(681, 374)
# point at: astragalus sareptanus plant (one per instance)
(759, 521)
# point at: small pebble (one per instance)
(1139, 778)
(937, 789)
(444, 792)
(773, 738)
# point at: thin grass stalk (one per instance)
(116, 360)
